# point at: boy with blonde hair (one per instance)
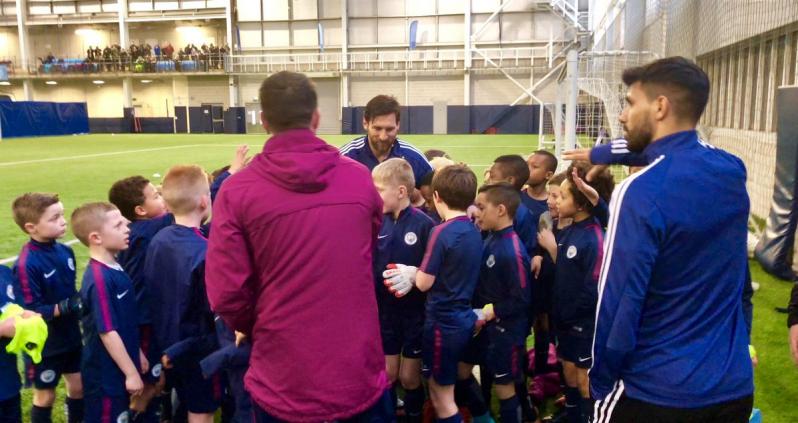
(449, 271)
(175, 276)
(402, 239)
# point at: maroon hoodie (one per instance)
(289, 262)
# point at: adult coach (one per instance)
(381, 121)
(289, 265)
(671, 341)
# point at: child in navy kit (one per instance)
(502, 296)
(140, 202)
(578, 262)
(45, 272)
(10, 409)
(402, 239)
(449, 272)
(175, 276)
(112, 360)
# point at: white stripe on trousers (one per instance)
(602, 410)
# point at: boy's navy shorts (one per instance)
(444, 346)
(152, 353)
(575, 344)
(402, 331)
(47, 373)
(499, 347)
(199, 395)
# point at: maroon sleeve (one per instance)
(229, 272)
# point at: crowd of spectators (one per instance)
(140, 58)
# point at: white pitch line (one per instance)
(146, 150)
(12, 259)
(110, 153)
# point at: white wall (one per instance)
(14, 90)
(362, 89)
(426, 90)
(208, 90)
(179, 35)
(494, 89)
(9, 44)
(155, 99)
(327, 90)
(70, 40)
(102, 100)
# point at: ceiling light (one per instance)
(51, 83)
(98, 82)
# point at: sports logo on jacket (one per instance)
(10, 292)
(411, 238)
(71, 264)
(156, 370)
(571, 253)
(491, 261)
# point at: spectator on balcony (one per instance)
(168, 50)
(97, 53)
(123, 59)
(157, 51)
(90, 53)
(107, 63)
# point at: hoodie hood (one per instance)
(297, 160)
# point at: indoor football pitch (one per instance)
(82, 168)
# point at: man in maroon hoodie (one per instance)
(289, 264)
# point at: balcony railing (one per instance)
(353, 62)
(406, 60)
(152, 64)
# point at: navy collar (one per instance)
(670, 143)
(505, 231)
(49, 244)
(402, 214)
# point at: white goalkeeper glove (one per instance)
(400, 279)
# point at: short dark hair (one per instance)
(513, 165)
(288, 100)
(433, 153)
(29, 207)
(128, 193)
(503, 194)
(551, 159)
(426, 179)
(680, 80)
(456, 186)
(88, 218)
(382, 105)
(603, 183)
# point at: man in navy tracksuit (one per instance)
(671, 342)
(381, 123)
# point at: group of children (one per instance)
(462, 273)
(521, 251)
(142, 307)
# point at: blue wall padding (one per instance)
(109, 125)
(157, 125)
(458, 119)
(38, 118)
